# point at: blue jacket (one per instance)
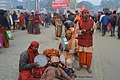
(105, 20)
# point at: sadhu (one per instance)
(66, 56)
(58, 27)
(85, 40)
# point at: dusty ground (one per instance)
(9, 57)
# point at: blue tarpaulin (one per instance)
(19, 7)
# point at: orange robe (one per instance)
(85, 58)
(85, 43)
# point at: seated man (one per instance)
(66, 56)
(26, 64)
(53, 72)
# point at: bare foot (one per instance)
(79, 68)
(89, 70)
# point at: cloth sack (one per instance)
(9, 35)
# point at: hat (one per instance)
(85, 10)
(54, 59)
(70, 30)
(35, 44)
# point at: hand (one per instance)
(92, 30)
(75, 21)
(72, 79)
(83, 31)
(36, 64)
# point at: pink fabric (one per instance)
(109, 27)
(1, 42)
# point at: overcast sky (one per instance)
(95, 2)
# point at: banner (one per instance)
(59, 4)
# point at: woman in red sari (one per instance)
(26, 63)
(4, 26)
(36, 23)
(22, 20)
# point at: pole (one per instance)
(10, 4)
(36, 5)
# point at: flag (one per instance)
(68, 3)
(75, 4)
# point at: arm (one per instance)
(63, 74)
(94, 27)
(44, 74)
(24, 64)
(118, 21)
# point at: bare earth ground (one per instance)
(9, 57)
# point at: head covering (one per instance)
(32, 53)
(69, 31)
(35, 44)
(54, 59)
(85, 10)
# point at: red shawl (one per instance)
(21, 20)
(32, 53)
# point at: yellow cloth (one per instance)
(75, 4)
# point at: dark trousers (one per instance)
(118, 31)
(104, 29)
(112, 30)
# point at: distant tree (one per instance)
(110, 3)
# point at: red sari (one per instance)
(26, 74)
(21, 20)
(4, 37)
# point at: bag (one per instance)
(109, 27)
(1, 42)
(9, 35)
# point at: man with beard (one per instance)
(53, 72)
(85, 40)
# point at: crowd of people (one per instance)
(31, 22)
(76, 31)
(108, 21)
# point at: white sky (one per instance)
(95, 2)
